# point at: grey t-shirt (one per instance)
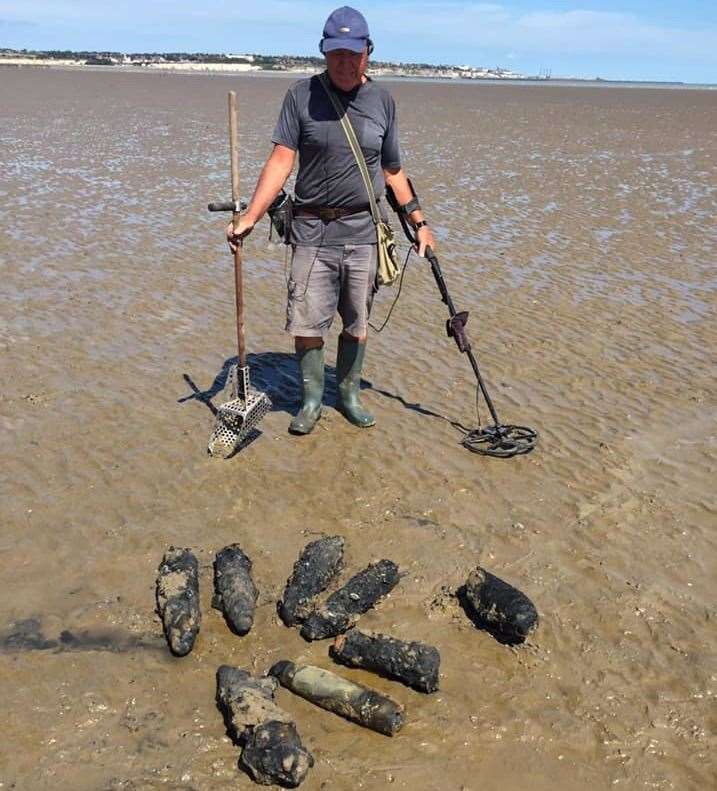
(328, 174)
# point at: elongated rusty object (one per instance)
(499, 608)
(234, 591)
(272, 750)
(414, 664)
(346, 698)
(318, 564)
(273, 754)
(247, 701)
(359, 594)
(177, 593)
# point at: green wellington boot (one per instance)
(311, 365)
(349, 362)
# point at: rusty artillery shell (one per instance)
(319, 562)
(273, 753)
(272, 749)
(499, 608)
(346, 698)
(359, 594)
(234, 590)
(177, 593)
(414, 664)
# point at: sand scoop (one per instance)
(240, 415)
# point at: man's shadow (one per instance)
(277, 375)
(273, 373)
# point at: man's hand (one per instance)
(244, 228)
(271, 179)
(425, 239)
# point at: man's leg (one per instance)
(349, 362)
(357, 288)
(313, 295)
(310, 354)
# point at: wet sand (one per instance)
(578, 227)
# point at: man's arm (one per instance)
(396, 179)
(271, 179)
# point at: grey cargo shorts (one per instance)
(327, 279)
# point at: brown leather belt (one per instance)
(327, 213)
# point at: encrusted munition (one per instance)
(273, 753)
(498, 607)
(346, 698)
(414, 664)
(272, 750)
(359, 594)
(177, 592)
(318, 564)
(234, 591)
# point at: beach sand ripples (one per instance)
(576, 226)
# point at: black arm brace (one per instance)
(407, 208)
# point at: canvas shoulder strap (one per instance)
(353, 144)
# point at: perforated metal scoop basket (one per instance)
(237, 417)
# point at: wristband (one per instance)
(419, 224)
(411, 206)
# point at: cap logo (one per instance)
(344, 30)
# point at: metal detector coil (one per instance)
(501, 441)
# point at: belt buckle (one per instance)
(328, 213)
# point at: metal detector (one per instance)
(500, 439)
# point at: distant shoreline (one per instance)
(227, 69)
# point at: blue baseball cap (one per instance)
(345, 28)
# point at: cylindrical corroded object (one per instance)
(346, 698)
(234, 591)
(318, 564)
(274, 755)
(499, 608)
(177, 593)
(359, 594)
(272, 750)
(414, 664)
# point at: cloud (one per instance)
(455, 31)
(549, 32)
(15, 24)
(605, 32)
(428, 29)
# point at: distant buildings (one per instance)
(234, 62)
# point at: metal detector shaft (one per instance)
(456, 328)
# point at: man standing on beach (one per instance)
(333, 237)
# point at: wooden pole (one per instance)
(238, 280)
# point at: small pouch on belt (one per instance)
(281, 213)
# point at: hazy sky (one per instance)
(634, 39)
